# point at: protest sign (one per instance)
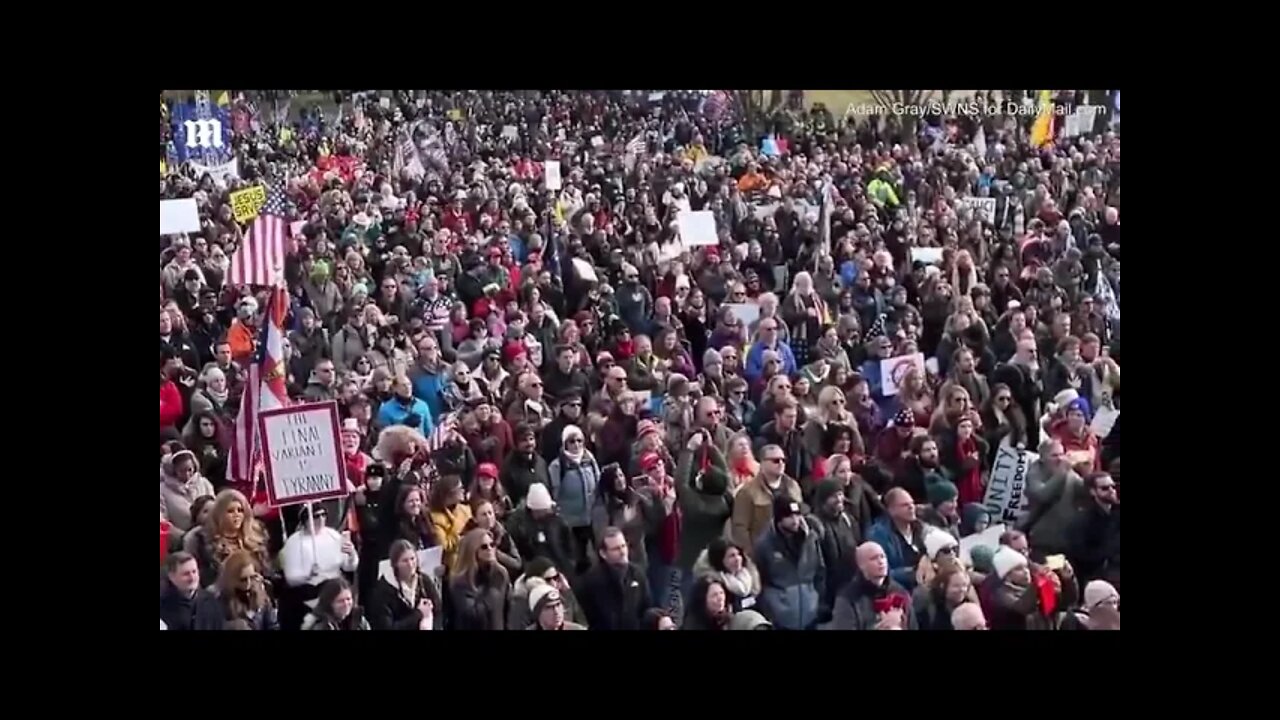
(927, 255)
(553, 175)
(1103, 421)
(586, 273)
(510, 133)
(746, 313)
(893, 370)
(987, 538)
(384, 103)
(430, 559)
(179, 216)
(245, 204)
(455, 114)
(300, 451)
(1006, 497)
(219, 173)
(984, 208)
(295, 228)
(697, 228)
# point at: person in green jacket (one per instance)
(704, 499)
(880, 189)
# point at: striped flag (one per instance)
(634, 149)
(441, 432)
(260, 259)
(264, 390)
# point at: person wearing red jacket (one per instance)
(172, 405)
(456, 218)
(1078, 440)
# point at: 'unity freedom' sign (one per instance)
(300, 450)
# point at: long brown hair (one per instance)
(251, 536)
(441, 490)
(469, 564)
(229, 584)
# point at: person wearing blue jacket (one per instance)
(793, 576)
(769, 341)
(901, 536)
(405, 409)
(428, 376)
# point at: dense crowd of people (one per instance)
(558, 415)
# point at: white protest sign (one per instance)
(179, 216)
(586, 273)
(300, 449)
(987, 538)
(893, 370)
(697, 228)
(553, 175)
(927, 255)
(511, 132)
(295, 228)
(430, 559)
(597, 141)
(220, 173)
(1103, 421)
(746, 313)
(384, 103)
(1006, 497)
(984, 208)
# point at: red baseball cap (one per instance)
(488, 470)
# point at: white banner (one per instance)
(1006, 497)
(179, 216)
(300, 450)
(697, 228)
(552, 171)
(984, 208)
(221, 172)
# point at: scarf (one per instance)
(744, 469)
(219, 398)
(738, 583)
(576, 455)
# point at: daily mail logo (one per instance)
(205, 134)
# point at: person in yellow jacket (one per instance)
(880, 190)
(449, 517)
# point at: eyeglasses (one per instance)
(781, 386)
(773, 460)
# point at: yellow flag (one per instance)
(1042, 129)
(286, 134)
(224, 99)
(163, 168)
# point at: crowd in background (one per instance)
(639, 433)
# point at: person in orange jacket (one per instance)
(243, 335)
(753, 180)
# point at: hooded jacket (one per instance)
(792, 577)
(573, 487)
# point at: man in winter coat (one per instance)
(1022, 375)
(793, 576)
(1094, 537)
(538, 531)
(184, 605)
(310, 344)
(839, 539)
(614, 593)
(873, 600)
(900, 536)
(783, 432)
(753, 505)
(428, 376)
(523, 466)
(1056, 494)
(943, 512)
(348, 343)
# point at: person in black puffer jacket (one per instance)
(538, 531)
(523, 466)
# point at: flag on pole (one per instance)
(980, 144)
(264, 390)
(824, 220)
(260, 260)
(1042, 129)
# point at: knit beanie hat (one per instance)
(824, 491)
(712, 357)
(940, 492)
(1098, 592)
(540, 596)
(784, 507)
(539, 498)
(981, 556)
(970, 515)
(1006, 560)
(938, 540)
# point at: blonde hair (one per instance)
(825, 398)
(468, 565)
(834, 462)
(251, 537)
(802, 284)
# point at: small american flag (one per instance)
(636, 145)
(260, 260)
(441, 432)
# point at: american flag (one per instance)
(824, 220)
(441, 432)
(264, 390)
(260, 259)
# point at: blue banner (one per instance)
(202, 133)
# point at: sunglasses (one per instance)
(773, 460)
(486, 546)
(1003, 398)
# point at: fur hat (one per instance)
(1006, 560)
(394, 442)
(540, 596)
(938, 540)
(539, 498)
